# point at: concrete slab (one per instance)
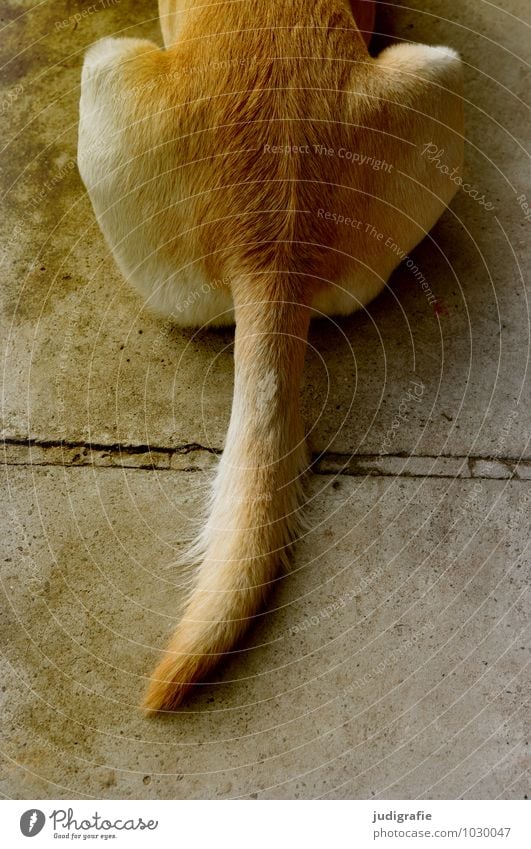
(391, 665)
(84, 362)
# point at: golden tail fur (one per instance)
(255, 509)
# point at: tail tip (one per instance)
(169, 684)
(162, 697)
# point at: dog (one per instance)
(255, 171)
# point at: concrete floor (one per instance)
(392, 663)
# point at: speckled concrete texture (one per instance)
(392, 661)
(390, 664)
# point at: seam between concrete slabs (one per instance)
(193, 457)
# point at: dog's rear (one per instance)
(230, 168)
(251, 176)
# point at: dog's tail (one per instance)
(256, 500)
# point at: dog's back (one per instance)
(258, 113)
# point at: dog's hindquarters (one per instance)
(183, 182)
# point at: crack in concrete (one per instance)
(193, 457)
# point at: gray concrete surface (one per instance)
(392, 663)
